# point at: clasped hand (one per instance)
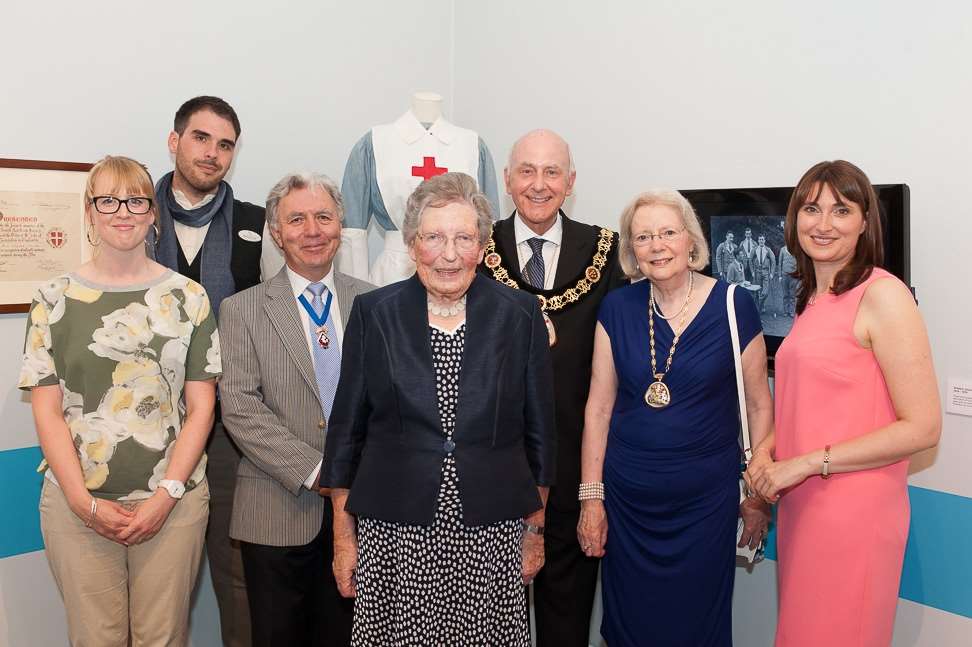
(767, 478)
(127, 526)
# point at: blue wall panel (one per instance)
(20, 486)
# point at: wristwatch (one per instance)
(536, 530)
(175, 488)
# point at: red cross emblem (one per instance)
(55, 238)
(428, 169)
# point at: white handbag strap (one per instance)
(737, 358)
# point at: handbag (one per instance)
(752, 555)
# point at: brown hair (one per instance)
(851, 184)
(214, 104)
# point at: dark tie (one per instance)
(534, 267)
(327, 361)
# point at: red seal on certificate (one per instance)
(56, 237)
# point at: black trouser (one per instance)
(294, 601)
(223, 553)
(563, 591)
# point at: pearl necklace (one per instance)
(688, 297)
(447, 311)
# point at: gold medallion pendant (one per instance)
(658, 396)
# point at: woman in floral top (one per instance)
(121, 359)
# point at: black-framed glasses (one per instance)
(109, 204)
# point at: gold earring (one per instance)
(88, 230)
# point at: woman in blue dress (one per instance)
(660, 457)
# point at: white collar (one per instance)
(299, 283)
(183, 200)
(523, 233)
(411, 130)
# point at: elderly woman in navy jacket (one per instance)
(441, 443)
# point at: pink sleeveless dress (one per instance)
(841, 541)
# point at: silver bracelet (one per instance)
(588, 491)
(92, 513)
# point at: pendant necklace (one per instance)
(320, 320)
(658, 395)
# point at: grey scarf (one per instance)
(214, 269)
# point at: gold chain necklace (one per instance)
(592, 274)
(658, 395)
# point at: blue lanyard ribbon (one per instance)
(318, 320)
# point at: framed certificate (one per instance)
(42, 230)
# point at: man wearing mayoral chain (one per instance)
(569, 266)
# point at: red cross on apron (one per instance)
(428, 169)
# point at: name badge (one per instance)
(250, 236)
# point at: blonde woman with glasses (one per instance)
(121, 359)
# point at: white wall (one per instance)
(704, 94)
(713, 94)
(81, 80)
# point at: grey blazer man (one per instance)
(272, 409)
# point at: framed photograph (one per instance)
(41, 226)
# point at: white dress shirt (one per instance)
(190, 238)
(299, 284)
(551, 247)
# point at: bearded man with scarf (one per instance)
(220, 242)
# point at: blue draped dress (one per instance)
(671, 475)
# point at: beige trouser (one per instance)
(109, 589)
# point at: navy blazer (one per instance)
(384, 440)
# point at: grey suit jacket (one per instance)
(272, 409)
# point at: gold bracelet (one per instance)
(825, 470)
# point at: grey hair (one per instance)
(301, 180)
(570, 156)
(442, 190)
(699, 253)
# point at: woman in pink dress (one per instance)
(856, 396)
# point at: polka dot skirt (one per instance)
(448, 583)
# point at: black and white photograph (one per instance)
(750, 252)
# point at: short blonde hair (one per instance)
(126, 175)
(699, 253)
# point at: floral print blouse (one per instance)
(121, 357)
